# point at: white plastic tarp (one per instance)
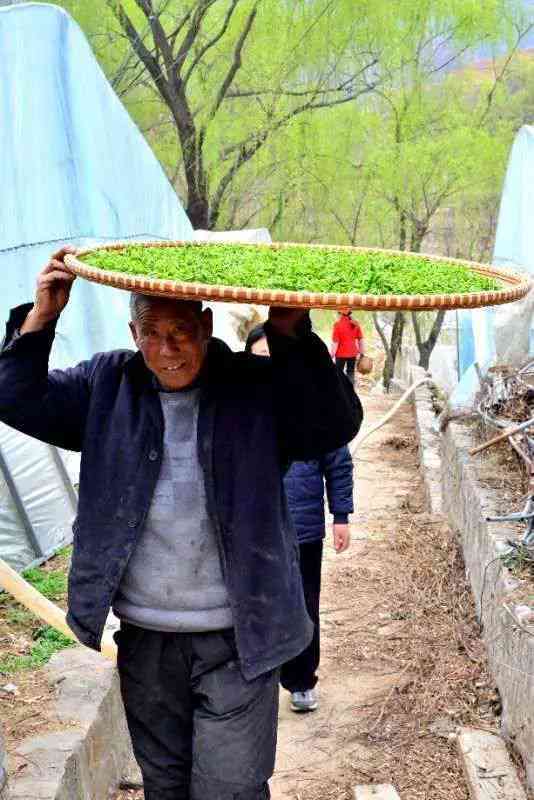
(74, 168)
(488, 333)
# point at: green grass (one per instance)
(42, 641)
(51, 583)
(64, 552)
(296, 268)
(19, 616)
(47, 642)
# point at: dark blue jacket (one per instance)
(305, 484)
(255, 416)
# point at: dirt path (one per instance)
(402, 664)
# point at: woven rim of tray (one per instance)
(516, 285)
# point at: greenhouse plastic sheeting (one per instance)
(514, 242)
(48, 507)
(75, 169)
(514, 248)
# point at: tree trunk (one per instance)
(391, 348)
(424, 356)
(198, 212)
(402, 229)
(191, 143)
(396, 341)
(426, 347)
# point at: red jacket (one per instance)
(347, 333)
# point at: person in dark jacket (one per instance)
(305, 484)
(182, 521)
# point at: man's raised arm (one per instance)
(316, 406)
(48, 406)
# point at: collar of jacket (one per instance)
(213, 368)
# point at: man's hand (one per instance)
(54, 283)
(341, 537)
(286, 321)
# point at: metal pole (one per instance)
(65, 477)
(19, 505)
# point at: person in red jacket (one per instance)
(347, 343)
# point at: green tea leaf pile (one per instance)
(295, 268)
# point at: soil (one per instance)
(402, 661)
(28, 711)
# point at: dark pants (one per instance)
(199, 730)
(299, 675)
(347, 365)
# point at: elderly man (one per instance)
(182, 523)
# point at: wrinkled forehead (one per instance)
(154, 309)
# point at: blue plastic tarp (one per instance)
(74, 168)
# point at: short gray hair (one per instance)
(138, 299)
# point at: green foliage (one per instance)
(519, 559)
(377, 167)
(18, 615)
(64, 552)
(51, 583)
(348, 122)
(47, 642)
(295, 268)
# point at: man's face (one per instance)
(173, 340)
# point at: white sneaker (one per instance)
(303, 701)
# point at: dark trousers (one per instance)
(347, 365)
(298, 675)
(199, 730)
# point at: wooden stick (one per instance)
(34, 601)
(501, 437)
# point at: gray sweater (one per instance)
(174, 581)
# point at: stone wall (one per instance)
(87, 756)
(455, 482)
(428, 440)
(502, 601)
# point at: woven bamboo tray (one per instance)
(514, 285)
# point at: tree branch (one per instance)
(500, 77)
(382, 335)
(158, 33)
(212, 42)
(417, 330)
(316, 91)
(249, 148)
(143, 53)
(202, 9)
(236, 63)
(435, 330)
(174, 35)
